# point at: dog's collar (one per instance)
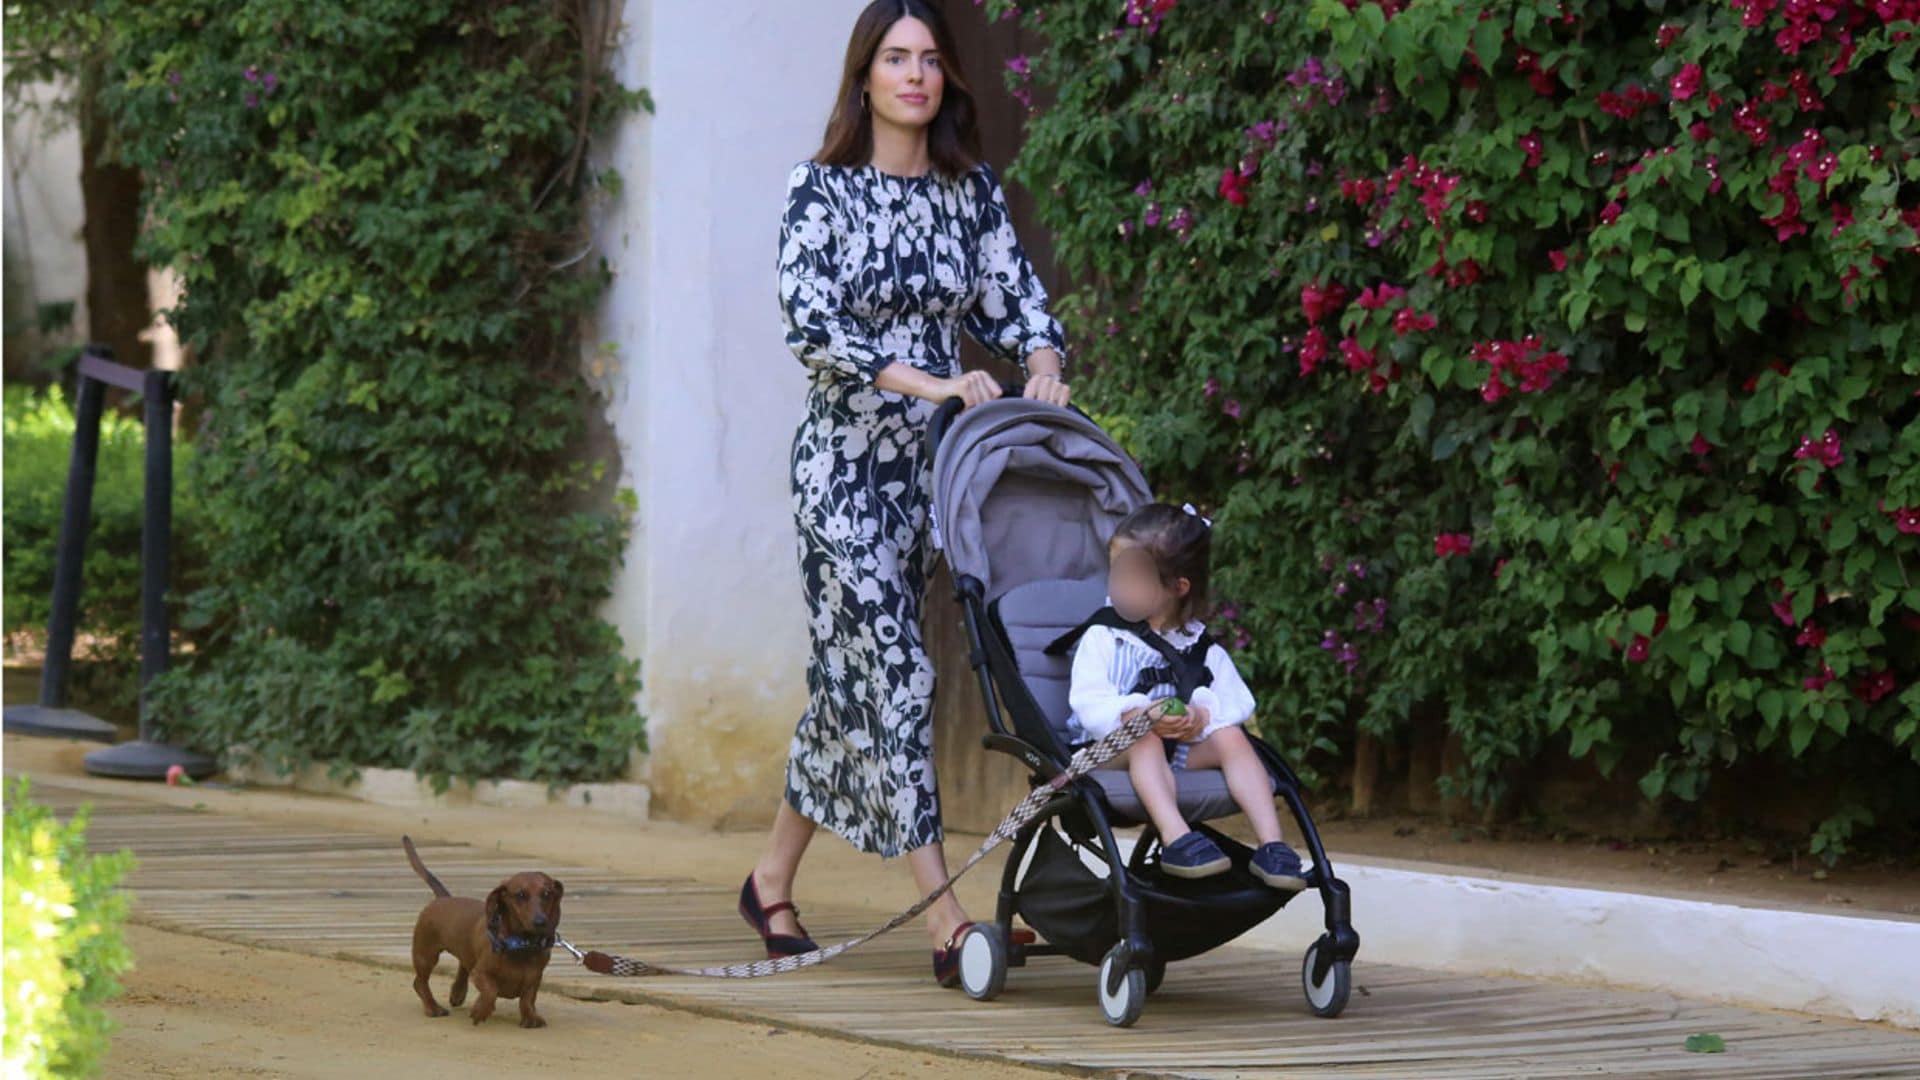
(520, 942)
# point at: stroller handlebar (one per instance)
(954, 406)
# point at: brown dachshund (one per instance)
(503, 942)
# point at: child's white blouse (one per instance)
(1108, 660)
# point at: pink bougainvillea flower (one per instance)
(1020, 65)
(1828, 450)
(1355, 357)
(1375, 297)
(1872, 687)
(1686, 83)
(1811, 635)
(1751, 124)
(1407, 321)
(1143, 189)
(1701, 131)
(1820, 681)
(1313, 349)
(1152, 217)
(1666, 35)
(1842, 217)
(1499, 565)
(1210, 387)
(1319, 302)
(1534, 148)
(1610, 213)
(1700, 447)
(1233, 187)
(1449, 545)
(1783, 609)
(1558, 259)
(1906, 519)
(1361, 191)
(1638, 649)
(1232, 408)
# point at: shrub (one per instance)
(377, 213)
(39, 447)
(1553, 368)
(63, 944)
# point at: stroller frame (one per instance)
(1133, 968)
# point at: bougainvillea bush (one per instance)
(1553, 368)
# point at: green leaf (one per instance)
(1705, 1044)
(1619, 577)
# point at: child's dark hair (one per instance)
(1181, 544)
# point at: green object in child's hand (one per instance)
(1174, 707)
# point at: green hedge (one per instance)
(1552, 368)
(377, 213)
(39, 447)
(63, 944)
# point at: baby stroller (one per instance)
(1026, 497)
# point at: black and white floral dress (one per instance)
(874, 269)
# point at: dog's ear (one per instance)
(497, 909)
(559, 890)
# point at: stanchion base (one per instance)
(141, 760)
(57, 723)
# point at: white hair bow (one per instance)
(1207, 521)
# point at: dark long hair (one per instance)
(953, 139)
(1181, 545)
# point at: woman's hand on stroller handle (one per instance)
(970, 388)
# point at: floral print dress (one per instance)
(877, 269)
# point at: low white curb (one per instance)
(1833, 965)
(400, 787)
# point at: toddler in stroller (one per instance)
(1148, 650)
(1028, 498)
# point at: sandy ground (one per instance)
(200, 1008)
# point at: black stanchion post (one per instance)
(147, 758)
(51, 716)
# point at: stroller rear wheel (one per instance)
(1327, 997)
(1122, 997)
(983, 962)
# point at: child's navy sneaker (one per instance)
(1194, 856)
(1279, 866)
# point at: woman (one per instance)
(896, 238)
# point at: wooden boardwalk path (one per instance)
(1235, 1013)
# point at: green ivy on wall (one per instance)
(377, 213)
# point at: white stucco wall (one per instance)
(704, 395)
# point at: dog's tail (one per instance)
(420, 868)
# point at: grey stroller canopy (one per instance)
(1024, 491)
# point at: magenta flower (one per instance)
(1638, 649)
(1313, 349)
(1685, 84)
(1828, 450)
(1783, 609)
(1811, 635)
(1700, 447)
(1871, 688)
(1020, 66)
(1557, 259)
(1210, 387)
(1906, 519)
(1231, 408)
(1449, 545)
(1820, 681)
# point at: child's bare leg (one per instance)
(1153, 782)
(1233, 754)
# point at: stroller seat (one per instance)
(1033, 615)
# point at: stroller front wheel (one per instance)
(1122, 997)
(1327, 996)
(983, 962)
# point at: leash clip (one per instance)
(568, 945)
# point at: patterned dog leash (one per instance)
(1085, 761)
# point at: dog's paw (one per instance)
(436, 1011)
(532, 1022)
(478, 1017)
